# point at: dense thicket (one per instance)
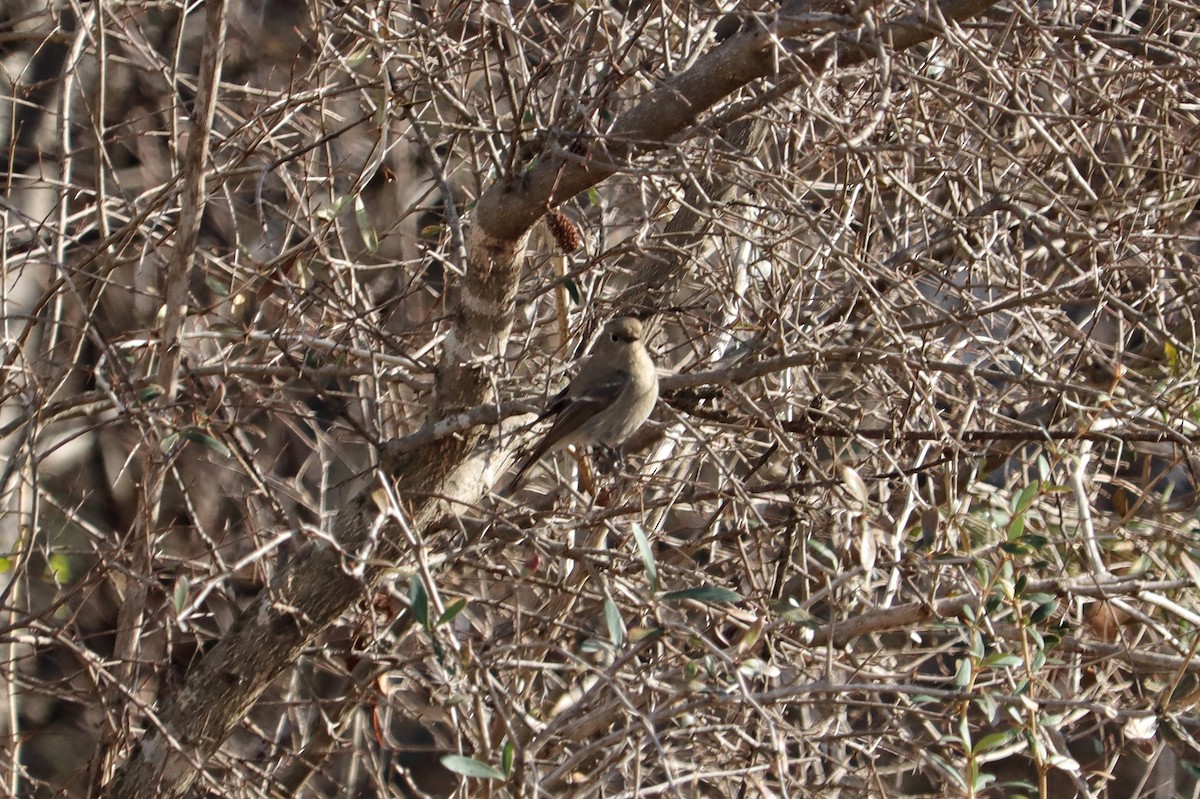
(283, 285)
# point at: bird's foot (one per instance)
(608, 459)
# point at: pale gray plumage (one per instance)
(608, 400)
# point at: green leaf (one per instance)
(612, 620)
(418, 600)
(58, 568)
(358, 56)
(704, 593)
(167, 445)
(1026, 497)
(977, 647)
(995, 740)
(647, 553)
(470, 767)
(964, 731)
(595, 645)
(1043, 612)
(180, 594)
(987, 705)
(207, 441)
(962, 675)
(332, 210)
(506, 758)
(1171, 354)
(982, 780)
(999, 660)
(365, 228)
(455, 608)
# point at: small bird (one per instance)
(608, 400)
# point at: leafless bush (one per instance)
(915, 514)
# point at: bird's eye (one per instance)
(613, 336)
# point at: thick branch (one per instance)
(510, 208)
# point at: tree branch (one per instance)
(383, 521)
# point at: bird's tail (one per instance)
(515, 481)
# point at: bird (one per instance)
(609, 399)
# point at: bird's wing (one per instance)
(573, 411)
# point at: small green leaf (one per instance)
(1171, 354)
(332, 210)
(150, 392)
(593, 197)
(455, 608)
(1043, 612)
(977, 647)
(358, 56)
(5, 565)
(982, 780)
(1000, 660)
(58, 568)
(612, 620)
(704, 593)
(206, 440)
(962, 675)
(365, 228)
(1026, 497)
(506, 758)
(180, 594)
(595, 645)
(647, 553)
(418, 601)
(987, 705)
(167, 445)
(470, 767)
